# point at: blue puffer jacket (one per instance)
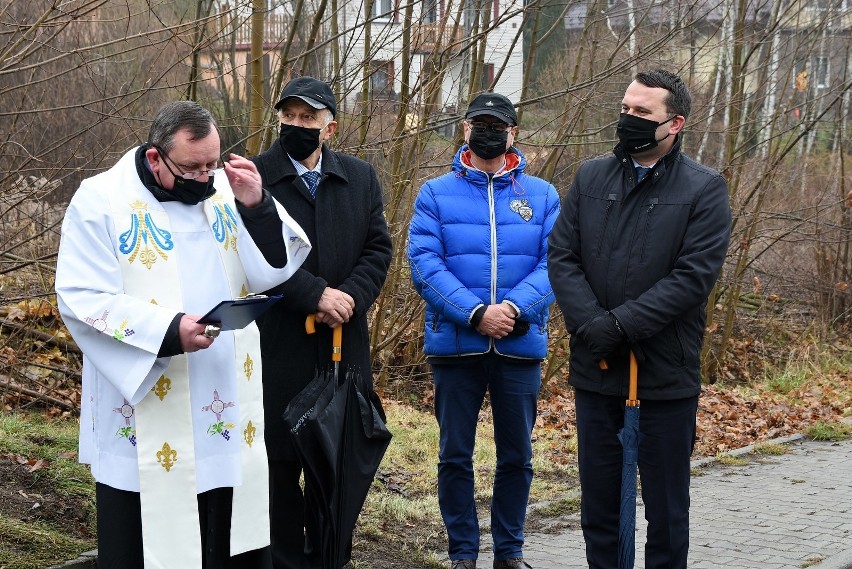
(477, 240)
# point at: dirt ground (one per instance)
(26, 495)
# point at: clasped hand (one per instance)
(335, 307)
(498, 321)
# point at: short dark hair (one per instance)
(679, 100)
(176, 116)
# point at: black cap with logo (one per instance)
(314, 92)
(495, 105)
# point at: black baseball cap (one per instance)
(314, 92)
(495, 105)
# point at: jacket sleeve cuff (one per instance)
(621, 319)
(476, 315)
(171, 341)
(515, 306)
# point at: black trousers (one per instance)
(295, 534)
(668, 430)
(120, 531)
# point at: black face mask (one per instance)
(192, 192)
(298, 141)
(637, 134)
(488, 144)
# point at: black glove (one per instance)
(520, 329)
(602, 334)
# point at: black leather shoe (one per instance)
(514, 563)
(463, 564)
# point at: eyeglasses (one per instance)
(492, 126)
(185, 175)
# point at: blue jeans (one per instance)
(460, 388)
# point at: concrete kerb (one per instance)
(745, 450)
(842, 560)
(88, 560)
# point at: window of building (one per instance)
(383, 9)
(487, 77)
(381, 78)
(821, 71)
(430, 12)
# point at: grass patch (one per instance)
(770, 449)
(562, 507)
(823, 431)
(791, 377)
(36, 437)
(35, 546)
(731, 460)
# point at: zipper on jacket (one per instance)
(610, 200)
(651, 207)
(435, 322)
(492, 221)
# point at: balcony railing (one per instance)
(236, 29)
(430, 38)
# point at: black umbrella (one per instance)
(338, 429)
(629, 436)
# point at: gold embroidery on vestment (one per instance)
(167, 457)
(248, 366)
(162, 387)
(249, 432)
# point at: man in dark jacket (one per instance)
(478, 253)
(337, 200)
(634, 254)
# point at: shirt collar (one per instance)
(300, 168)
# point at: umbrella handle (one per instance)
(336, 336)
(633, 387)
(336, 343)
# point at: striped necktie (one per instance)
(311, 179)
(641, 172)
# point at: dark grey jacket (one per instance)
(650, 254)
(351, 252)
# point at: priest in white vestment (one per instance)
(172, 415)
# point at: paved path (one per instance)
(778, 512)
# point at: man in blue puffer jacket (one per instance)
(478, 255)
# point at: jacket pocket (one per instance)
(610, 201)
(646, 232)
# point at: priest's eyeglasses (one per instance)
(185, 175)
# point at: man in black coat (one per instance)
(636, 250)
(337, 200)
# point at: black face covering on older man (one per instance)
(299, 142)
(192, 192)
(488, 144)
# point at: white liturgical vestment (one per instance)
(127, 265)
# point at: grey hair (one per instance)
(329, 116)
(180, 115)
(678, 101)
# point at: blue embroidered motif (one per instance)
(225, 224)
(141, 227)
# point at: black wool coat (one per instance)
(351, 252)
